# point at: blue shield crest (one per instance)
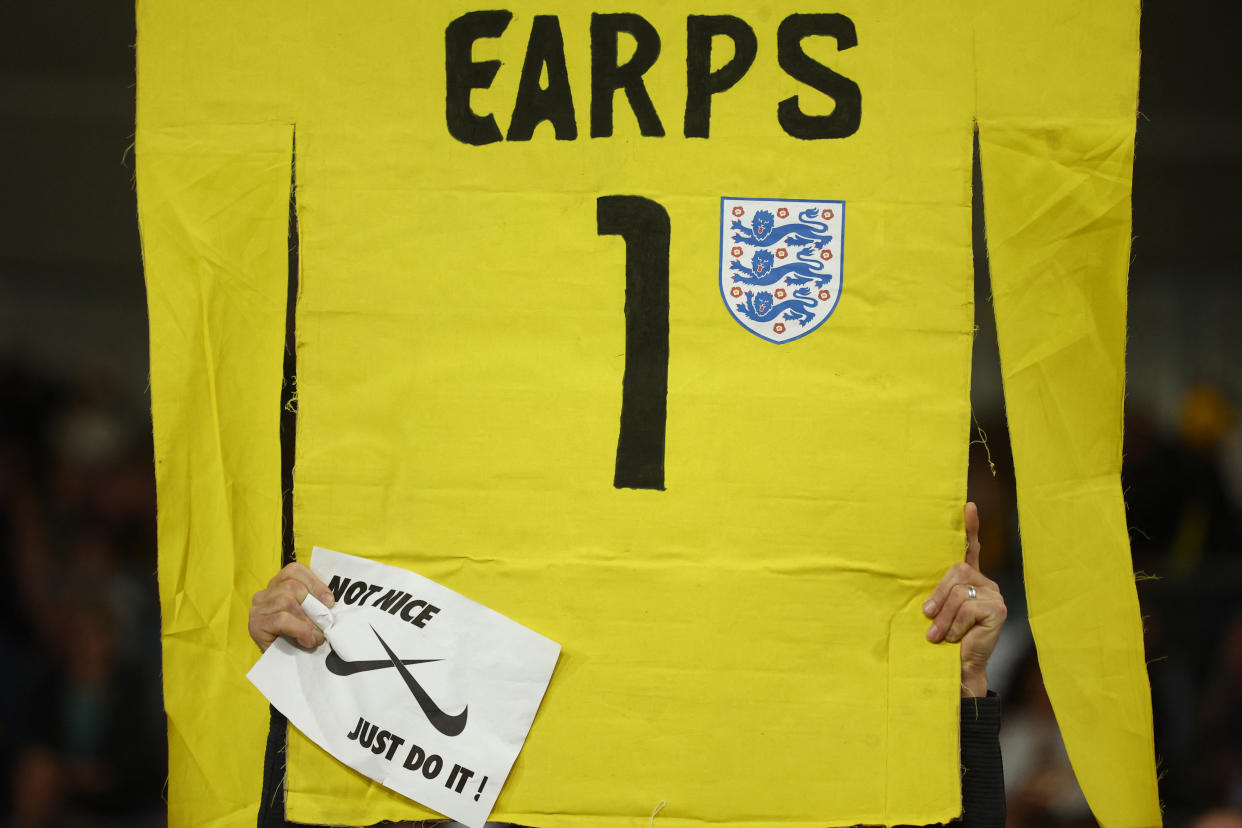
(780, 263)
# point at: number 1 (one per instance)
(644, 226)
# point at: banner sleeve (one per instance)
(1056, 103)
(213, 209)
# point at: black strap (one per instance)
(272, 805)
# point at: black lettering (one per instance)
(371, 590)
(397, 742)
(337, 585)
(701, 81)
(355, 591)
(414, 759)
(645, 227)
(847, 115)
(607, 77)
(554, 104)
(399, 604)
(431, 768)
(353, 734)
(458, 778)
(408, 609)
(381, 743)
(368, 734)
(425, 616)
(462, 74)
(386, 600)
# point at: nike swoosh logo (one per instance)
(441, 721)
(341, 667)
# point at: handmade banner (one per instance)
(576, 329)
(419, 688)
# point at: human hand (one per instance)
(277, 610)
(974, 620)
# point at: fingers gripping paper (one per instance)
(442, 721)
(654, 329)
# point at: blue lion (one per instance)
(762, 273)
(763, 231)
(761, 307)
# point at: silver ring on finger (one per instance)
(970, 592)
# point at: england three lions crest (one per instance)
(780, 263)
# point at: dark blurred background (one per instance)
(81, 723)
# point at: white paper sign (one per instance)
(419, 688)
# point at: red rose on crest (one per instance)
(825, 295)
(825, 254)
(782, 213)
(737, 251)
(735, 292)
(738, 211)
(827, 214)
(780, 293)
(779, 327)
(782, 253)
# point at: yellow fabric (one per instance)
(747, 644)
(214, 223)
(1057, 159)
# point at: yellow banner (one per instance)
(651, 330)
